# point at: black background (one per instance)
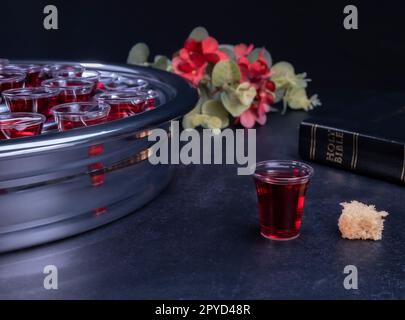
(310, 34)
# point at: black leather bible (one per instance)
(368, 138)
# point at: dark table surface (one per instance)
(199, 240)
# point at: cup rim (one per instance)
(30, 92)
(23, 67)
(12, 115)
(105, 108)
(94, 77)
(15, 76)
(283, 180)
(130, 96)
(51, 66)
(87, 84)
(144, 84)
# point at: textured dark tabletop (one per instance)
(199, 240)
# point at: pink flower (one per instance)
(242, 50)
(260, 107)
(265, 94)
(258, 75)
(256, 113)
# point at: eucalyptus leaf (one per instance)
(254, 55)
(279, 94)
(188, 122)
(212, 122)
(225, 72)
(283, 69)
(199, 34)
(198, 119)
(206, 121)
(138, 54)
(229, 50)
(216, 108)
(232, 103)
(285, 105)
(245, 93)
(162, 63)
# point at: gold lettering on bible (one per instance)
(334, 152)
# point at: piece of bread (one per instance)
(360, 221)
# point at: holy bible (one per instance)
(368, 138)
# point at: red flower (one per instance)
(190, 65)
(256, 71)
(211, 52)
(194, 57)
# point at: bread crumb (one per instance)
(361, 221)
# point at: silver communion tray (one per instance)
(47, 189)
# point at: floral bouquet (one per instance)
(235, 83)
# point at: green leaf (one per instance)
(199, 34)
(188, 121)
(279, 95)
(228, 49)
(162, 63)
(245, 93)
(225, 72)
(232, 104)
(138, 54)
(254, 55)
(215, 108)
(206, 121)
(283, 69)
(212, 122)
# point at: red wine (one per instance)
(67, 96)
(88, 75)
(33, 78)
(71, 90)
(11, 80)
(19, 125)
(32, 71)
(38, 100)
(73, 122)
(74, 115)
(124, 103)
(123, 110)
(281, 197)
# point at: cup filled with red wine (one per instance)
(281, 186)
(20, 124)
(68, 96)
